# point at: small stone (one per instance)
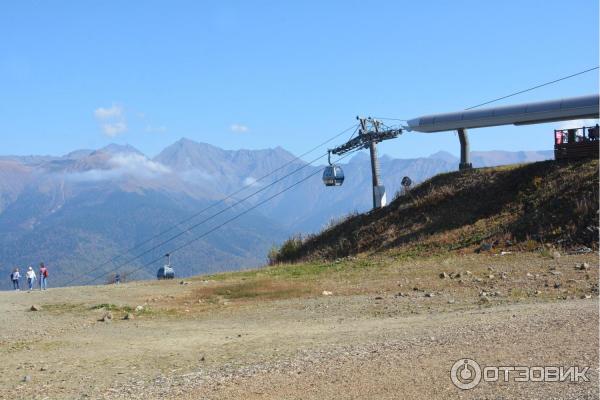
(555, 273)
(503, 275)
(139, 308)
(327, 293)
(429, 294)
(43, 369)
(484, 299)
(582, 266)
(537, 292)
(468, 273)
(35, 307)
(555, 255)
(586, 296)
(27, 378)
(128, 316)
(378, 298)
(529, 275)
(478, 280)
(491, 276)
(557, 285)
(107, 317)
(444, 275)
(202, 358)
(451, 301)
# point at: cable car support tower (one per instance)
(370, 132)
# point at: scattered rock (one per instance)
(503, 275)
(451, 301)
(202, 358)
(378, 298)
(503, 253)
(27, 378)
(43, 369)
(485, 247)
(429, 294)
(107, 317)
(537, 292)
(586, 296)
(444, 275)
(555, 273)
(557, 285)
(484, 299)
(400, 294)
(128, 316)
(184, 283)
(529, 275)
(582, 267)
(327, 293)
(139, 308)
(582, 250)
(35, 307)
(468, 273)
(477, 280)
(491, 276)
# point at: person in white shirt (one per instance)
(30, 277)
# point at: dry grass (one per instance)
(545, 202)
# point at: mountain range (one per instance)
(81, 212)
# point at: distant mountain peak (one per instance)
(445, 156)
(114, 148)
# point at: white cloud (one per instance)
(121, 166)
(136, 164)
(239, 128)
(111, 120)
(112, 129)
(250, 181)
(108, 113)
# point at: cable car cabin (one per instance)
(571, 144)
(166, 271)
(333, 175)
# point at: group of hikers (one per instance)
(31, 277)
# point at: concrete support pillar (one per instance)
(465, 159)
(379, 197)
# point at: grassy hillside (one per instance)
(518, 206)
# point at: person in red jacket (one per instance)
(43, 277)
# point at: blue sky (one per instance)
(256, 74)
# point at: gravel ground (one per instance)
(374, 345)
